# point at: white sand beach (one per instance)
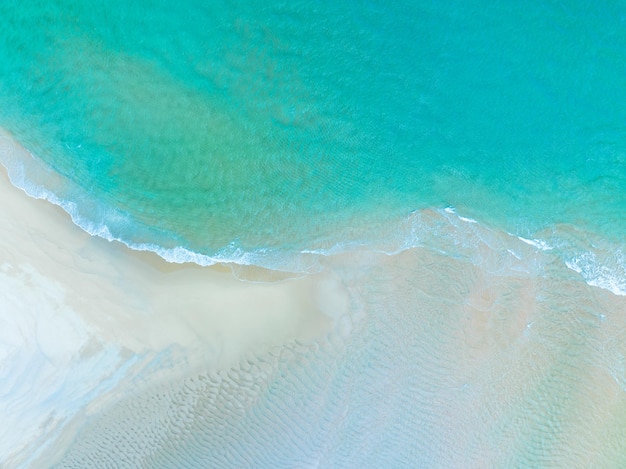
(79, 312)
(104, 351)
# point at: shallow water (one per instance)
(278, 127)
(461, 168)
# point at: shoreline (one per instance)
(71, 302)
(102, 346)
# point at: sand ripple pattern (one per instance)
(441, 363)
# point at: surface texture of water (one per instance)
(471, 156)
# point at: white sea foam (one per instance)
(467, 220)
(611, 277)
(442, 230)
(538, 243)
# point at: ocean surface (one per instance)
(460, 166)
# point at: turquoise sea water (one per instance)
(281, 133)
(305, 125)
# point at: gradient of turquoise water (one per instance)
(298, 125)
(277, 128)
